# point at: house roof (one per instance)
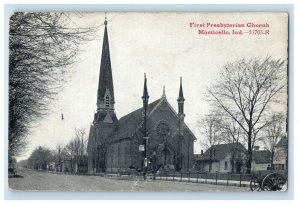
(282, 142)
(261, 156)
(128, 124)
(220, 151)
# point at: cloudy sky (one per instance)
(165, 47)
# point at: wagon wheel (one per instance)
(255, 185)
(273, 182)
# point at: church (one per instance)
(151, 137)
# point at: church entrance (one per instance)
(166, 157)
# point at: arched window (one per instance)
(107, 101)
(162, 130)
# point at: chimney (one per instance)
(201, 152)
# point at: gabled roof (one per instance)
(282, 142)
(128, 124)
(100, 116)
(261, 156)
(220, 151)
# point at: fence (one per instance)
(216, 178)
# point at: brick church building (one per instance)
(150, 137)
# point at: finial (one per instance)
(105, 22)
(164, 93)
(180, 97)
(145, 93)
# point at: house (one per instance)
(154, 135)
(51, 166)
(281, 154)
(222, 158)
(261, 160)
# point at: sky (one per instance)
(165, 47)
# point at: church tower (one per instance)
(105, 119)
(105, 96)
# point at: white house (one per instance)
(223, 158)
(280, 157)
(261, 160)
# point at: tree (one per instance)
(42, 46)
(231, 133)
(272, 135)
(211, 131)
(39, 158)
(81, 140)
(245, 90)
(79, 146)
(57, 153)
(76, 148)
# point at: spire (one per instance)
(105, 21)
(145, 92)
(180, 97)
(164, 93)
(105, 79)
(180, 100)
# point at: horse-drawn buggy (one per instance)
(269, 182)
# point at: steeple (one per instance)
(105, 97)
(164, 93)
(145, 92)
(145, 96)
(180, 99)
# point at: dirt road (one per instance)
(45, 181)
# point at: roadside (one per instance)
(45, 181)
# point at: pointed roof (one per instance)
(282, 142)
(220, 151)
(180, 97)
(145, 92)
(105, 78)
(128, 124)
(261, 156)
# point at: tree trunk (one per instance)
(210, 160)
(249, 152)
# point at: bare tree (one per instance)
(40, 158)
(272, 135)
(69, 154)
(245, 90)
(232, 133)
(81, 140)
(211, 132)
(58, 157)
(76, 148)
(42, 46)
